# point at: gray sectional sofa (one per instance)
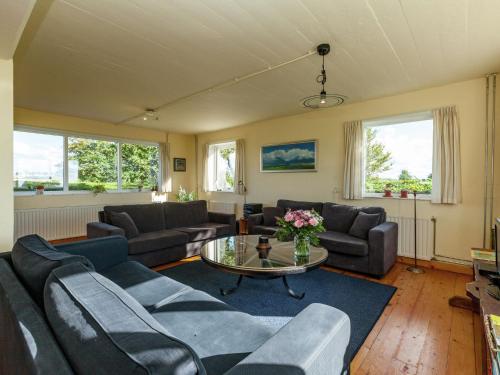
(357, 238)
(84, 308)
(165, 232)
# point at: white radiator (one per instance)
(222, 207)
(406, 244)
(55, 223)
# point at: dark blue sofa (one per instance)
(85, 308)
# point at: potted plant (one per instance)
(388, 191)
(302, 225)
(404, 193)
(97, 189)
(184, 196)
(39, 189)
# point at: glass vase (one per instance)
(301, 245)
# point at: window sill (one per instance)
(420, 197)
(221, 191)
(75, 192)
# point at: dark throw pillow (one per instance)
(362, 225)
(338, 217)
(270, 214)
(124, 221)
(34, 259)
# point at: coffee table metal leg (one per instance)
(225, 292)
(290, 290)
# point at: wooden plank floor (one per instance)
(418, 333)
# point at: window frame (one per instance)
(66, 135)
(211, 189)
(386, 121)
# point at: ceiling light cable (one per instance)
(223, 85)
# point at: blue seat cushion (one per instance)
(343, 243)
(219, 334)
(34, 258)
(103, 329)
(148, 287)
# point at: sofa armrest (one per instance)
(312, 343)
(254, 219)
(97, 229)
(221, 218)
(103, 252)
(383, 247)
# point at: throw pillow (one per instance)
(338, 217)
(270, 214)
(362, 225)
(124, 221)
(34, 259)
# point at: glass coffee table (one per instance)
(239, 255)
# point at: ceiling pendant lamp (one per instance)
(323, 100)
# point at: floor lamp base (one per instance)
(415, 269)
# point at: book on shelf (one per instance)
(495, 328)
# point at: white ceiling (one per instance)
(13, 17)
(111, 59)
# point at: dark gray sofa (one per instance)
(84, 308)
(373, 253)
(167, 231)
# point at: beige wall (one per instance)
(180, 146)
(6, 140)
(459, 227)
(183, 146)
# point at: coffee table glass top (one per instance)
(239, 255)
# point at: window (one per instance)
(398, 154)
(38, 160)
(221, 162)
(92, 162)
(42, 159)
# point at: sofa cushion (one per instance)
(102, 328)
(375, 210)
(263, 229)
(270, 214)
(158, 240)
(343, 243)
(147, 217)
(220, 335)
(148, 287)
(26, 340)
(124, 221)
(206, 231)
(338, 217)
(185, 214)
(362, 225)
(298, 205)
(34, 258)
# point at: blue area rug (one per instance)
(362, 300)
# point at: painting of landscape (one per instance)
(289, 157)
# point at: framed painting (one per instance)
(179, 164)
(289, 157)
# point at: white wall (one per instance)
(6, 140)
(459, 227)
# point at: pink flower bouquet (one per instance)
(301, 225)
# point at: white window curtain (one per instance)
(446, 168)
(353, 167)
(166, 177)
(208, 168)
(239, 169)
